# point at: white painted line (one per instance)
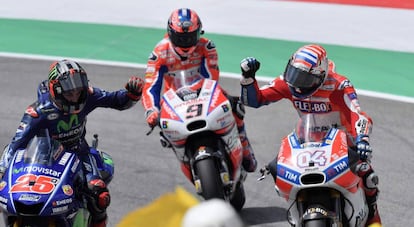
(223, 74)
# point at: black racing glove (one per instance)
(249, 67)
(134, 87)
(363, 148)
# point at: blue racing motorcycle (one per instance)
(44, 185)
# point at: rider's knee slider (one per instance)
(237, 106)
(369, 177)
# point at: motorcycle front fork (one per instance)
(336, 214)
(224, 176)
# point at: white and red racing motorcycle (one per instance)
(315, 174)
(196, 121)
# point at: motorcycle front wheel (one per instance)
(210, 180)
(318, 223)
(34, 222)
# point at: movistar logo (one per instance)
(16, 171)
(62, 125)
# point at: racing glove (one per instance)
(249, 67)
(152, 117)
(134, 87)
(363, 148)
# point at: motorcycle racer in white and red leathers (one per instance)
(182, 48)
(312, 85)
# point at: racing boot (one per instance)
(102, 198)
(98, 200)
(101, 223)
(370, 181)
(249, 160)
(374, 219)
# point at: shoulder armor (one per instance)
(43, 92)
(31, 110)
(152, 56)
(344, 84)
(210, 45)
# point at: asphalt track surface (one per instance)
(144, 170)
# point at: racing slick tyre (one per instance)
(209, 175)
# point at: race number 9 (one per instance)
(194, 110)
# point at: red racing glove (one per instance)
(152, 116)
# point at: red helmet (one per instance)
(306, 70)
(184, 30)
(67, 76)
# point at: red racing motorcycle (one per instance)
(197, 122)
(315, 173)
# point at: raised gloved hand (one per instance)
(249, 67)
(363, 148)
(152, 116)
(134, 87)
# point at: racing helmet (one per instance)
(306, 70)
(65, 77)
(184, 30)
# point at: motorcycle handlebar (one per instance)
(150, 131)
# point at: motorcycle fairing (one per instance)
(48, 189)
(315, 175)
(195, 115)
(197, 120)
(313, 164)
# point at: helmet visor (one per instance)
(186, 39)
(299, 78)
(74, 81)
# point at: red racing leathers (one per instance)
(336, 101)
(162, 65)
(337, 104)
(164, 62)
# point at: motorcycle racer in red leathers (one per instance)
(312, 85)
(182, 48)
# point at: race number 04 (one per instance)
(317, 157)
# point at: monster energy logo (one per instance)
(62, 125)
(53, 73)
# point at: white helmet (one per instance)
(212, 213)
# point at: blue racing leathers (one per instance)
(68, 129)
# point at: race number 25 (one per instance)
(33, 183)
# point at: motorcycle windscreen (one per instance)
(312, 128)
(41, 150)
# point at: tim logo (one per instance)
(312, 107)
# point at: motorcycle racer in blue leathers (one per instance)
(64, 101)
